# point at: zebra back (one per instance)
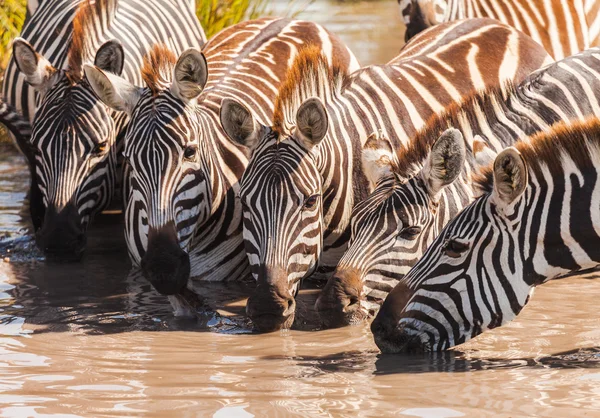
(562, 27)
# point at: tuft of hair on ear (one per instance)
(377, 158)
(312, 122)
(510, 177)
(445, 162)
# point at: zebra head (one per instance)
(391, 229)
(169, 165)
(280, 192)
(471, 278)
(73, 141)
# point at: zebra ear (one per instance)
(377, 158)
(239, 124)
(510, 178)
(482, 153)
(113, 90)
(110, 57)
(312, 122)
(445, 163)
(37, 70)
(190, 75)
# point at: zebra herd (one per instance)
(442, 186)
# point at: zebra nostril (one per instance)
(290, 307)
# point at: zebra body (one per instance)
(300, 187)
(536, 220)
(392, 228)
(182, 206)
(563, 27)
(75, 137)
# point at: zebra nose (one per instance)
(338, 304)
(165, 264)
(271, 306)
(62, 236)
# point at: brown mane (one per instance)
(157, 70)
(549, 149)
(86, 20)
(310, 75)
(419, 147)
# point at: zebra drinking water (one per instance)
(393, 227)
(304, 175)
(75, 138)
(183, 216)
(536, 220)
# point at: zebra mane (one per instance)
(310, 75)
(157, 70)
(577, 141)
(91, 18)
(414, 154)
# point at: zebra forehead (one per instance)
(157, 69)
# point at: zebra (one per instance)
(75, 138)
(563, 27)
(302, 180)
(183, 217)
(536, 220)
(392, 228)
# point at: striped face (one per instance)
(282, 203)
(283, 222)
(473, 277)
(392, 228)
(73, 140)
(169, 177)
(169, 171)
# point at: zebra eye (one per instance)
(311, 202)
(454, 249)
(410, 233)
(100, 148)
(189, 153)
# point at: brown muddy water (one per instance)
(91, 339)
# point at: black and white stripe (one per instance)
(537, 220)
(563, 27)
(184, 169)
(393, 227)
(300, 187)
(76, 138)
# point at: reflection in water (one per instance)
(92, 339)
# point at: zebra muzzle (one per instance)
(62, 235)
(165, 264)
(339, 302)
(272, 307)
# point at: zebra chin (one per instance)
(165, 265)
(62, 235)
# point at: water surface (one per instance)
(91, 340)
